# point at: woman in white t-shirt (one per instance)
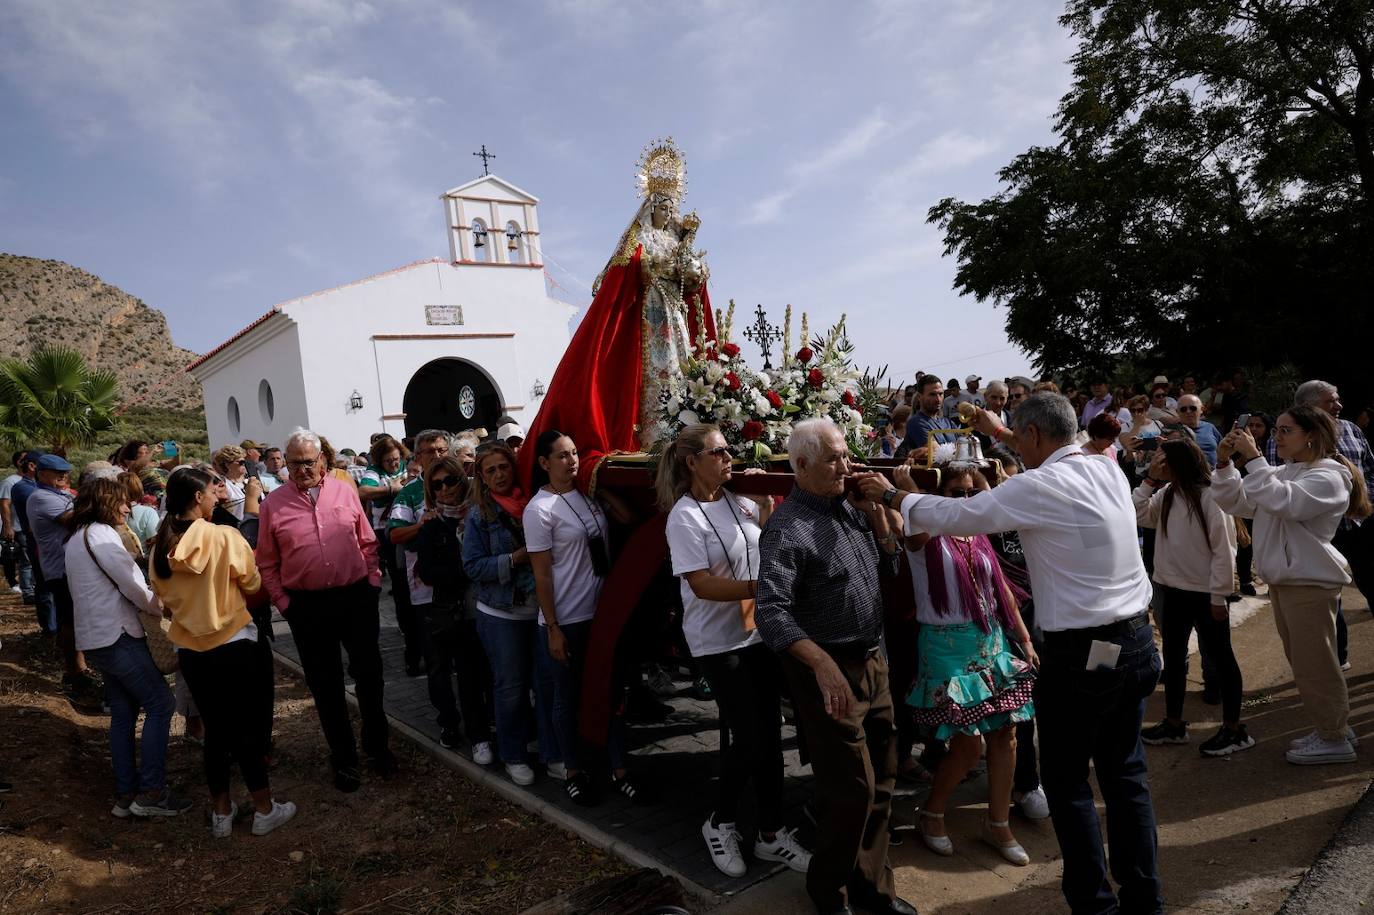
(566, 536)
(713, 535)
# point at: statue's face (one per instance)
(661, 213)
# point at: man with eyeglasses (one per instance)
(1206, 434)
(1018, 389)
(318, 558)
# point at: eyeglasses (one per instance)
(962, 493)
(303, 465)
(1284, 430)
(445, 482)
(722, 453)
(1159, 394)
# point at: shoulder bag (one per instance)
(159, 645)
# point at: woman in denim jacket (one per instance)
(495, 558)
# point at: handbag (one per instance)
(747, 605)
(159, 644)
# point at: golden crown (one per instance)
(662, 171)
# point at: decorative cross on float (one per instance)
(484, 156)
(763, 334)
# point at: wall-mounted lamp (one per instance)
(355, 400)
(537, 391)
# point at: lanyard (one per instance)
(748, 565)
(595, 523)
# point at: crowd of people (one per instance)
(1005, 612)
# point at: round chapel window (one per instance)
(467, 402)
(267, 404)
(234, 417)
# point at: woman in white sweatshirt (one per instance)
(1195, 564)
(1297, 508)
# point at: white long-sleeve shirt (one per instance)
(1078, 531)
(102, 611)
(1182, 558)
(1297, 508)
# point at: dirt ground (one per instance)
(1235, 834)
(427, 842)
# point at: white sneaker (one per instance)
(557, 770)
(1345, 665)
(1312, 735)
(784, 848)
(1034, 805)
(723, 843)
(1320, 752)
(221, 824)
(282, 811)
(481, 753)
(520, 773)
(16, 590)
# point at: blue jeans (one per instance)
(132, 682)
(562, 685)
(43, 607)
(1095, 716)
(510, 646)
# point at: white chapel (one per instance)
(458, 343)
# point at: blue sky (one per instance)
(216, 158)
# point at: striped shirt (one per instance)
(818, 574)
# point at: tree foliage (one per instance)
(1210, 199)
(53, 399)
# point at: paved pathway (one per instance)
(677, 756)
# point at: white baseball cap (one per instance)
(510, 431)
(972, 378)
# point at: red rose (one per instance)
(752, 430)
(847, 398)
(732, 381)
(775, 399)
(730, 350)
(804, 355)
(815, 377)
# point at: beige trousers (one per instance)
(1305, 616)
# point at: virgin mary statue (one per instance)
(648, 306)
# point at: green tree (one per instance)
(52, 398)
(1210, 200)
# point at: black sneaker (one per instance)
(448, 738)
(1248, 590)
(1165, 732)
(347, 779)
(634, 791)
(166, 804)
(1227, 741)
(579, 788)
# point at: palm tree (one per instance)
(52, 397)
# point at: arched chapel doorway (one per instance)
(453, 395)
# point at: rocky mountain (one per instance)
(47, 301)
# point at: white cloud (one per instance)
(767, 209)
(851, 145)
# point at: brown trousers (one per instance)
(1305, 616)
(855, 763)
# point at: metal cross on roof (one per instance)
(763, 334)
(484, 156)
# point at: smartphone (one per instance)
(1150, 444)
(1242, 420)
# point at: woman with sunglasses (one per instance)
(443, 609)
(713, 536)
(1297, 509)
(232, 466)
(497, 561)
(566, 535)
(969, 687)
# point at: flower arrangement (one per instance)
(756, 410)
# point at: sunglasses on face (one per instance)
(962, 493)
(1187, 409)
(722, 453)
(445, 482)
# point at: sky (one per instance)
(216, 158)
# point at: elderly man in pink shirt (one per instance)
(318, 558)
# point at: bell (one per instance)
(967, 450)
(479, 239)
(512, 241)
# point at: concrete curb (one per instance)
(590, 834)
(1341, 879)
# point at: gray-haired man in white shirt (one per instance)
(1099, 663)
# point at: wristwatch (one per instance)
(889, 495)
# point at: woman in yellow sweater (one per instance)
(202, 571)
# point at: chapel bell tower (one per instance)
(492, 223)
